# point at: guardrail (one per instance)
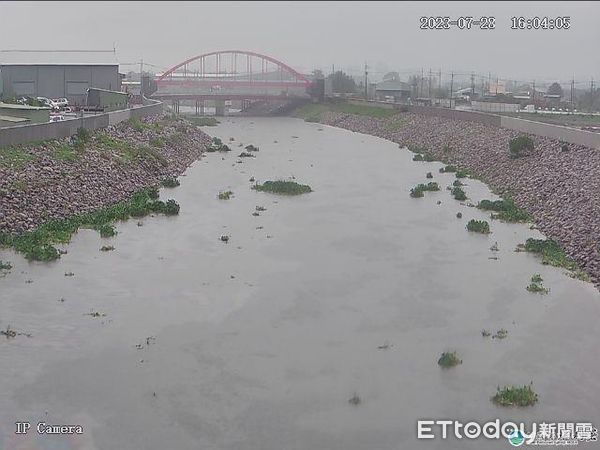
(58, 130)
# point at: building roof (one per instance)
(19, 106)
(392, 85)
(13, 119)
(62, 58)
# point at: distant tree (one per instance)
(317, 74)
(342, 83)
(555, 89)
(392, 76)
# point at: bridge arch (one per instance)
(218, 67)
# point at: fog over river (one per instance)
(259, 343)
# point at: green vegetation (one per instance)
(157, 142)
(137, 124)
(246, 155)
(66, 152)
(536, 285)
(203, 121)
(218, 146)
(226, 195)
(457, 183)
(313, 112)
(423, 157)
(416, 148)
(459, 215)
(355, 400)
(448, 169)
(251, 148)
(429, 175)
(500, 334)
(5, 265)
(127, 152)
(478, 226)
(506, 209)
(520, 145)
(37, 245)
(283, 187)
(515, 396)
(462, 173)
(448, 360)
(14, 157)
(107, 248)
(419, 189)
(458, 193)
(553, 255)
(170, 182)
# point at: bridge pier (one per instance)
(220, 108)
(199, 107)
(175, 106)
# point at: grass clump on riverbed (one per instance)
(478, 226)
(283, 187)
(419, 189)
(458, 193)
(536, 285)
(506, 209)
(37, 245)
(226, 195)
(449, 359)
(552, 254)
(515, 396)
(423, 157)
(170, 182)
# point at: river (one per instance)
(259, 343)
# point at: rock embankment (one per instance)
(560, 189)
(57, 179)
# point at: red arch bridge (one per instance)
(223, 78)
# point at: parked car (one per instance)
(61, 102)
(57, 118)
(49, 103)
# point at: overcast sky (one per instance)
(317, 35)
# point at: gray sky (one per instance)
(316, 35)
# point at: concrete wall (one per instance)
(571, 135)
(56, 81)
(494, 107)
(58, 130)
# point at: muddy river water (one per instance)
(259, 343)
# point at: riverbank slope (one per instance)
(60, 178)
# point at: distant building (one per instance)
(58, 74)
(395, 90)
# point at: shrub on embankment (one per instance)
(38, 245)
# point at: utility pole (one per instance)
(451, 88)
(496, 86)
(472, 84)
(366, 81)
(572, 87)
(489, 81)
(421, 91)
(142, 79)
(533, 93)
(440, 82)
(592, 95)
(429, 84)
